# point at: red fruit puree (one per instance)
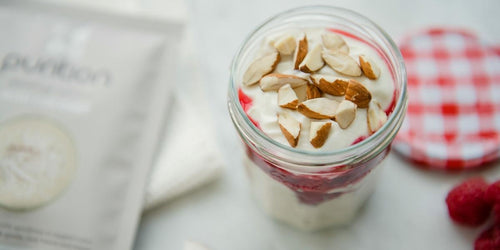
(313, 189)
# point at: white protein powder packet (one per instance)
(83, 98)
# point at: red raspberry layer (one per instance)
(313, 189)
(246, 103)
(358, 140)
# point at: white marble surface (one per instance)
(407, 210)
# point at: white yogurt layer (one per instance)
(265, 106)
(282, 203)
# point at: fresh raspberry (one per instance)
(467, 204)
(496, 213)
(493, 193)
(489, 239)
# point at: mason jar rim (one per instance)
(267, 144)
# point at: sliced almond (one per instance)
(312, 92)
(358, 94)
(318, 133)
(345, 114)
(341, 63)
(287, 97)
(290, 128)
(313, 61)
(330, 84)
(274, 81)
(334, 42)
(318, 108)
(261, 67)
(376, 116)
(286, 45)
(300, 52)
(301, 92)
(370, 69)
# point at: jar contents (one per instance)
(316, 90)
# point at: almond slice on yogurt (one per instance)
(286, 45)
(318, 108)
(358, 94)
(290, 128)
(260, 67)
(369, 67)
(330, 84)
(301, 92)
(318, 133)
(287, 97)
(275, 81)
(313, 60)
(334, 42)
(376, 116)
(312, 92)
(341, 63)
(345, 114)
(300, 52)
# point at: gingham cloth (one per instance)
(453, 119)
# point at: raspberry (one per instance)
(466, 202)
(493, 193)
(489, 239)
(496, 213)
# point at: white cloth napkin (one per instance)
(189, 156)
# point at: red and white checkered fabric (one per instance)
(453, 119)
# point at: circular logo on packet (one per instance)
(37, 162)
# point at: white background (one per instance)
(407, 211)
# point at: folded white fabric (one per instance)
(188, 158)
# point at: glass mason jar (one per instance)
(306, 189)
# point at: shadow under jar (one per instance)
(315, 189)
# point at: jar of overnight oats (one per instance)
(317, 94)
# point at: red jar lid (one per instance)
(453, 119)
